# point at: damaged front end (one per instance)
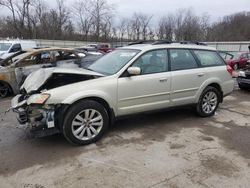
(30, 106)
(43, 120)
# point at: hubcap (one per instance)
(87, 124)
(209, 102)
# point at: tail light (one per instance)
(230, 70)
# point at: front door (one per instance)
(148, 91)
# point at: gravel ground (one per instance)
(172, 148)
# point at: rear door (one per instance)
(148, 91)
(187, 76)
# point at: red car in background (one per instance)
(238, 59)
(101, 47)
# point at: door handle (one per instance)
(201, 74)
(163, 80)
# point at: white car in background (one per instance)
(9, 47)
(129, 80)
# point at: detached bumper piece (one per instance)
(40, 120)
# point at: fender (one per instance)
(205, 84)
(90, 93)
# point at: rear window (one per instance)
(208, 58)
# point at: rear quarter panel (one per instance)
(220, 76)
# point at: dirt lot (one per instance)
(167, 149)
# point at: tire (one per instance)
(208, 102)
(236, 66)
(79, 127)
(4, 90)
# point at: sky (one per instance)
(214, 8)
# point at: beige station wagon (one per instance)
(82, 103)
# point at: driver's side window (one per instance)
(153, 62)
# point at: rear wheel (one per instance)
(4, 90)
(208, 102)
(85, 122)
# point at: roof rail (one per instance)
(162, 42)
(158, 42)
(142, 42)
(192, 42)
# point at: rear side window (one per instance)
(182, 59)
(208, 58)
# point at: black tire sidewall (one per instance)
(77, 108)
(199, 105)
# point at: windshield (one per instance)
(112, 62)
(5, 46)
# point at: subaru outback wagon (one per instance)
(81, 103)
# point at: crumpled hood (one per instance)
(36, 79)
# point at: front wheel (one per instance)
(85, 122)
(208, 102)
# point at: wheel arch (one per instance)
(9, 86)
(65, 108)
(218, 87)
(213, 83)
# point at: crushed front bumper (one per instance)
(39, 119)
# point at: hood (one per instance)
(38, 78)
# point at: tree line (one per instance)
(93, 20)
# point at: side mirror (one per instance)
(133, 71)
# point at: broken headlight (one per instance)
(38, 98)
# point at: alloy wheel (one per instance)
(87, 124)
(209, 102)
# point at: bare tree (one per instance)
(166, 27)
(83, 16)
(101, 11)
(122, 28)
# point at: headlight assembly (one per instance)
(38, 98)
